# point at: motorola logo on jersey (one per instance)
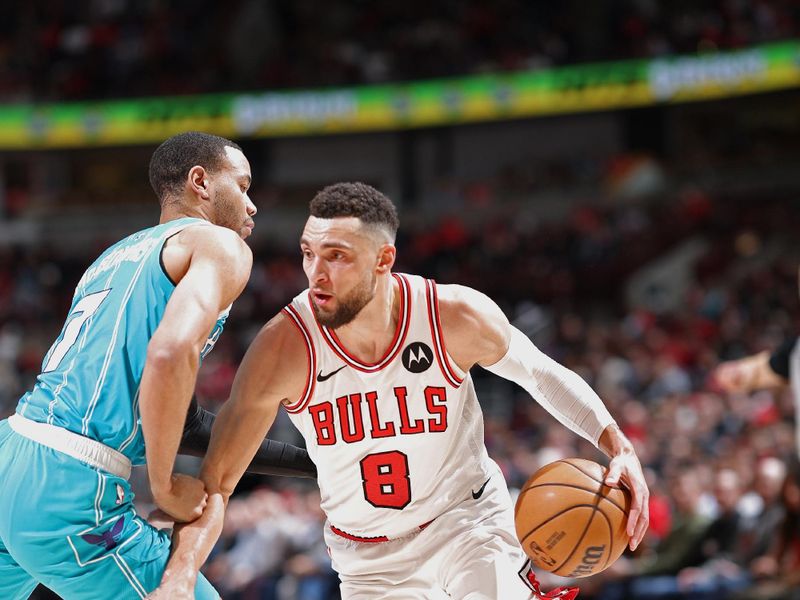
(417, 357)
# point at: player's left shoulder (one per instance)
(218, 241)
(474, 327)
(223, 248)
(460, 305)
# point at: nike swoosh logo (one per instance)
(479, 493)
(321, 377)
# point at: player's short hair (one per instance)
(356, 199)
(172, 160)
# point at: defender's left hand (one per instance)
(169, 591)
(625, 468)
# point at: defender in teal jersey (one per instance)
(116, 384)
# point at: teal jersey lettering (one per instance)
(90, 377)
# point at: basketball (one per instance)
(569, 522)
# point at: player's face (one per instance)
(232, 206)
(339, 259)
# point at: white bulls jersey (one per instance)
(398, 442)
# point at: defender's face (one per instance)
(232, 206)
(340, 260)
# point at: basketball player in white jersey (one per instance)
(373, 369)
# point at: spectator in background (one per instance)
(275, 548)
(764, 509)
(720, 571)
(656, 576)
(86, 50)
(778, 571)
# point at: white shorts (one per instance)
(468, 553)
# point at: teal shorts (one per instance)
(73, 528)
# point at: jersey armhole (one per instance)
(161, 259)
(171, 234)
(452, 374)
(311, 362)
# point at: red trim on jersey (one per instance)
(438, 339)
(357, 538)
(403, 325)
(311, 358)
(372, 539)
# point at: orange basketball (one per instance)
(569, 522)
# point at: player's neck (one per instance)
(177, 210)
(369, 335)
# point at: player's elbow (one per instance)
(167, 354)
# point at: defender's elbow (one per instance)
(166, 355)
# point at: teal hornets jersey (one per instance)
(90, 377)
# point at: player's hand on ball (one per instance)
(625, 468)
(185, 499)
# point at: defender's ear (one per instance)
(197, 182)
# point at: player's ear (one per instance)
(198, 183)
(386, 256)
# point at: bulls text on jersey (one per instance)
(348, 421)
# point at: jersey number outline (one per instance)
(83, 310)
(384, 476)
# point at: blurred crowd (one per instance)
(721, 467)
(272, 548)
(58, 50)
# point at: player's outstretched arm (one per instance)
(756, 372)
(477, 332)
(211, 266)
(272, 371)
(272, 457)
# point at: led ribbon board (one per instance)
(571, 89)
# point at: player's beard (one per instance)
(349, 306)
(228, 213)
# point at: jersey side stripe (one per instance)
(436, 334)
(311, 358)
(134, 431)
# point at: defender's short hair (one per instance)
(356, 199)
(172, 160)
